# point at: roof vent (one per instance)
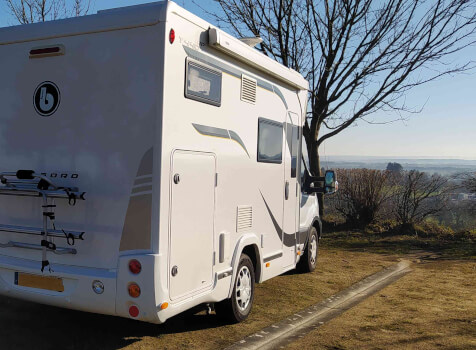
(248, 89)
(244, 218)
(252, 41)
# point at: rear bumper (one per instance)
(78, 293)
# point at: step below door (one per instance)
(192, 221)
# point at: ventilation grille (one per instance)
(248, 89)
(244, 218)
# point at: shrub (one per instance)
(433, 229)
(381, 226)
(418, 196)
(362, 192)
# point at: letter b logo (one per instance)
(46, 98)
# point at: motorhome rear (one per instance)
(149, 163)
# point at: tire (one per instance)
(238, 307)
(308, 260)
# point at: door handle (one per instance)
(286, 190)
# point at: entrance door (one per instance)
(192, 221)
(291, 190)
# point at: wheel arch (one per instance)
(317, 224)
(248, 244)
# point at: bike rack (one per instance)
(29, 183)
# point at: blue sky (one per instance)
(446, 127)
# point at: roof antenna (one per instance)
(252, 41)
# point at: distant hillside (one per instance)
(430, 165)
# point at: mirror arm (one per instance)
(317, 184)
(313, 180)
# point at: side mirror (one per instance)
(326, 184)
(330, 182)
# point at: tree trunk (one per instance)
(320, 196)
(315, 164)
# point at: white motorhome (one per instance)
(149, 163)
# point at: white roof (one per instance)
(108, 20)
(149, 15)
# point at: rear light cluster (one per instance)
(135, 267)
(46, 50)
(134, 290)
(134, 311)
(172, 36)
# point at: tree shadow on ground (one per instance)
(26, 325)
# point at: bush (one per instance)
(361, 195)
(465, 235)
(418, 196)
(431, 229)
(381, 226)
(333, 219)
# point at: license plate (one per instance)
(40, 282)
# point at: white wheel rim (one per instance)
(243, 288)
(313, 249)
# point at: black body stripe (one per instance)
(289, 239)
(272, 257)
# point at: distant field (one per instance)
(403, 315)
(429, 165)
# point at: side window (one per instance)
(270, 141)
(203, 83)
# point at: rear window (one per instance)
(203, 83)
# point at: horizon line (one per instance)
(402, 157)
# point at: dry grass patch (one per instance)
(25, 325)
(432, 307)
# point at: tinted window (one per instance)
(294, 150)
(305, 155)
(303, 170)
(270, 141)
(304, 159)
(203, 84)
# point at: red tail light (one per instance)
(134, 311)
(44, 51)
(47, 51)
(172, 36)
(135, 266)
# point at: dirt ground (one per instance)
(25, 325)
(433, 305)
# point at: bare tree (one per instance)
(419, 196)
(466, 182)
(31, 11)
(469, 181)
(362, 192)
(360, 56)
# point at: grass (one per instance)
(25, 325)
(401, 244)
(433, 305)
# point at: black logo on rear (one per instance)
(46, 98)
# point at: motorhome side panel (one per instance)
(101, 139)
(249, 194)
